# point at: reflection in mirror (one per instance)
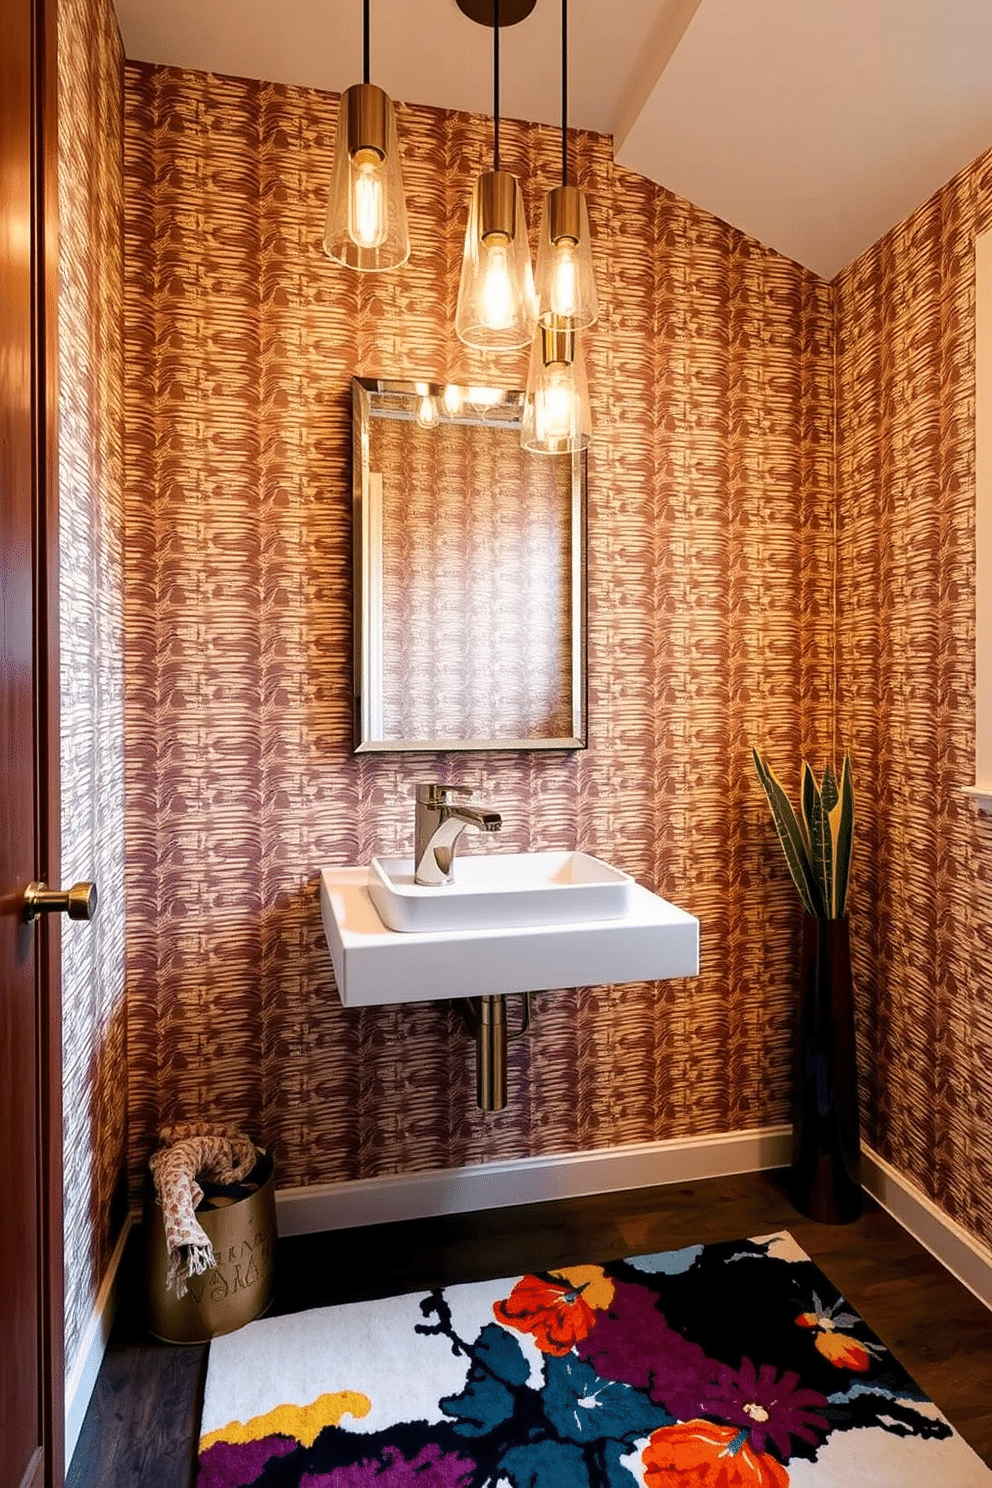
(469, 574)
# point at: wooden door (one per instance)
(30, 1050)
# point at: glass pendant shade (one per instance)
(497, 306)
(566, 284)
(557, 418)
(366, 212)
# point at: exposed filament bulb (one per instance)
(555, 410)
(497, 291)
(367, 217)
(565, 280)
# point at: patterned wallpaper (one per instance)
(922, 893)
(91, 617)
(710, 532)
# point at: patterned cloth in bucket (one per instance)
(220, 1154)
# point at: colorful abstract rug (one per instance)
(722, 1366)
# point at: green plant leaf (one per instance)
(828, 790)
(791, 837)
(842, 832)
(809, 795)
(820, 840)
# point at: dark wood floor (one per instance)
(141, 1427)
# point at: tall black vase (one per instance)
(826, 1137)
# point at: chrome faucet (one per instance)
(439, 824)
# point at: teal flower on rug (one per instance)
(719, 1366)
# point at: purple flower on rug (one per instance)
(632, 1342)
(767, 1406)
(431, 1468)
(238, 1464)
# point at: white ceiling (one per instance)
(814, 125)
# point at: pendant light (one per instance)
(566, 283)
(497, 307)
(366, 213)
(557, 418)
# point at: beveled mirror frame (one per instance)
(488, 407)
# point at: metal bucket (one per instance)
(240, 1288)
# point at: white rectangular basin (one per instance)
(374, 965)
(494, 891)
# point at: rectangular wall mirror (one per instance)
(469, 575)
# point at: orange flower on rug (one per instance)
(833, 1335)
(706, 1455)
(559, 1309)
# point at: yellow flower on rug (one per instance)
(302, 1422)
(592, 1281)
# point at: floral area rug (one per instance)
(722, 1366)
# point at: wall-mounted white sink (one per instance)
(651, 939)
(494, 891)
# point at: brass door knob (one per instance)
(79, 902)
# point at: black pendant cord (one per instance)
(564, 92)
(366, 55)
(495, 84)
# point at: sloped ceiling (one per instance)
(814, 125)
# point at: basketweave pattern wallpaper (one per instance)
(922, 890)
(710, 524)
(91, 583)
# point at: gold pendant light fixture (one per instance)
(366, 224)
(566, 283)
(497, 306)
(557, 417)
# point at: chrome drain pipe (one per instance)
(490, 1054)
(485, 1019)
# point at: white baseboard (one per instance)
(81, 1381)
(531, 1180)
(527, 1180)
(954, 1247)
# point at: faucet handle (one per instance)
(432, 793)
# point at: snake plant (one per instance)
(818, 843)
